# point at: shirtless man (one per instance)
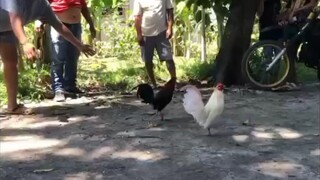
(64, 55)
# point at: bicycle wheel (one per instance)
(255, 63)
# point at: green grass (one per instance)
(128, 73)
(118, 75)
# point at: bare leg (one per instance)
(171, 68)
(149, 67)
(9, 57)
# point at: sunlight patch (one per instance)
(315, 152)
(70, 152)
(102, 107)
(240, 138)
(279, 169)
(264, 135)
(286, 133)
(22, 143)
(83, 176)
(99, 153)
(138, 155)
(275, 132)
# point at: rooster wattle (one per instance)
(205, 115)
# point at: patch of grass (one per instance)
(118, 75)
(306, 74)
(113, 73)
(3, 90)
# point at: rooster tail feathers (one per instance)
(193, 104)
(145, 92)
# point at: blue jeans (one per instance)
(64, 59)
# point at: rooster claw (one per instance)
(153, 125)
(209, 132)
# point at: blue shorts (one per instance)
(161, 44)
(8, 37)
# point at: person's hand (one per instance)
(140, 40)
(93, 32)
(169, 33)
(87, 50)
(30, 51)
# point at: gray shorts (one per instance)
(8, 37)
(161, 44)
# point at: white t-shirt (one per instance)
(154, 15)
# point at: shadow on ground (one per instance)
(262, 135)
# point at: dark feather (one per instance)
(161, 99)
(145, 92)
(164, 96)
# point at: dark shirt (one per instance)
(270, 12)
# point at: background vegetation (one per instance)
(198, 36)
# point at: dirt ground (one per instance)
(262, 136)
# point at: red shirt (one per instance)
(62, 5)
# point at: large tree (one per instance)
(235, 41)
(236, 35)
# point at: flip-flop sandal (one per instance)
(19, 110)
(287, 87)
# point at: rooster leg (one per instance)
(209, 132)
(154, 116)
(161, 116)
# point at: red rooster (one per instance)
(205, 115)
(161, 99)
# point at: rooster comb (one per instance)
(220, 86)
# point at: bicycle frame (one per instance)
(313, 15)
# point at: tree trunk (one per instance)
(220, 23)
(235, 41)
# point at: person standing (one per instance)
(153, 23)
(64, 55)
(14, 14)
(268, 12)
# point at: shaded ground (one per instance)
(264, 136)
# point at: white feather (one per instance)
(203, 114)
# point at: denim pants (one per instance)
(64, 59)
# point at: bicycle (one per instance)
(269, 74)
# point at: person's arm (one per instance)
(308, 6)
(50, 18)
(137, 12)
(16, 20)
(87, 16)
(17, 27)
(169, 8)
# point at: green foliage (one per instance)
(3, 91)
(33, 83)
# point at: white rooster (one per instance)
(205, 115)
